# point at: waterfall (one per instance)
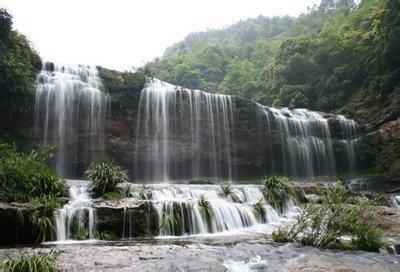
(348, 129)
(189, 134)
(173, 120)
(77, 216)
(306, 142)
(181, 202)
(69, 114)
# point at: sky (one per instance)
(121, 34)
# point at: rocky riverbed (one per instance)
(209, 254)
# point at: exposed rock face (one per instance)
(253, 143)
(126, 218)
(15, 227)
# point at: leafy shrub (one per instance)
(281, 236)
(228, 191)
(336, 214)
(206, 209)
(277, 190)
(25, 176)
(33, 263)
(105, 175)
(259, 210)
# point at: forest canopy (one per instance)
(338, 53)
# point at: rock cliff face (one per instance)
(258, 145)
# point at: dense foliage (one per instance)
(277, 190)
(24, 176)
(337, 54)
(18, 66)
(325, 221)
(105, 175)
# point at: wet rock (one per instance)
(126, 217)
(15, 227)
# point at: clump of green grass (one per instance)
(228, 191)
(105, 175)
(281, 236)
(32, 263)
(259, 210)
(206, 209)
(112, 196)
(277, 190)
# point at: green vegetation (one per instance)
(259, 210)
(336, 214)
(18, 66)
(105, 175)
(32, 263)
(277, 190)
(172, 222)
(228, 191)
(206, 209)
(338, 55)
(112, 196)
(25, 178)
(101, 235)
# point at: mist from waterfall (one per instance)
(70, 110)
(173, 119)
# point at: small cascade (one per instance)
(69, 114)
(181, 202)
(395, 201)
(77, 216)
(306, 143)
(348, 129)
(173, 120)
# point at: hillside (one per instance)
(336, 55)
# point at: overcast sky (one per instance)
(123, 33)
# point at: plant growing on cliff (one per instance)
(228, 191)
(277, 190)
(105, 175)
(32, 263)
(206, 209)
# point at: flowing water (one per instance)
(69, 107)
(306, 141)
(172, 120)
(77, 216)
(349, 129)
(182, 203)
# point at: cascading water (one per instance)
(77, 216)
(348, 129)
(69, 114)
(306, 143)
(172, 120)
(181, 202)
